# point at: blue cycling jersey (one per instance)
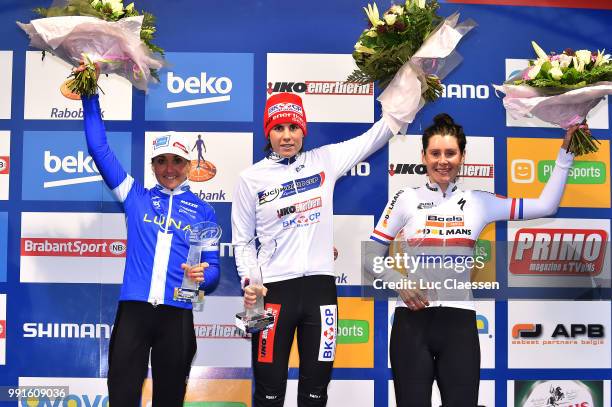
(158, 220)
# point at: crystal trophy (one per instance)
(201, 236)
(257, 318)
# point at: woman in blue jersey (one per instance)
(434, 335)
(149, 321)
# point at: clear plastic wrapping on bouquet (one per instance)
(561, 107)
(115, 46)
(402, 99)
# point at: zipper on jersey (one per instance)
(169, 212)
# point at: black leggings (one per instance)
(438, 343)
(167, 332)
(308, 304)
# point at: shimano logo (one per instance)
(80, 164)
(216, 89)
(465, 91)
(65, 330)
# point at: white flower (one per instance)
(601, 58)
(399, 10)
(555, 72)
(542, 56)
(115, 5)
(359, 47)
(584, 56)
(534, 71)
(372, 33)
(129, 7)
(373, 15)
(578, 64)
(390, 18)
(420, 3)
(95, 3)
(564, 61)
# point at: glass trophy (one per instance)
(201, 236)
(257, 318)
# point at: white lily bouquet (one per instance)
(98, 36)
(561, 89)
(408, 51)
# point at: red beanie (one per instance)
(284, 108)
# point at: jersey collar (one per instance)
(282, 160)
(432, 186)
(176, 191)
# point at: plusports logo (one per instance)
(531, 162)
(204, 87)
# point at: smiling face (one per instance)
(286, 139)
(170, 170)
(443, 159)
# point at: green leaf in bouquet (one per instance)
(546, 66)
(571, 76)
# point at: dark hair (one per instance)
(444, 125)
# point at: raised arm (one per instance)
(500, 208)
(115, 177)
(345, 155)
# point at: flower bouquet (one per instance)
(561, 89)
(100, 36)
(408, 50)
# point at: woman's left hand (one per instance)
(195, 273)
(570, 132)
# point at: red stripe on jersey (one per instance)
(512, 208)
(381, 234)
(265, 350)
(460, 242)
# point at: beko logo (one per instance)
(215, 88)
(80, 164)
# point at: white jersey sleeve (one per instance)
(500, 208)
(345, 155)
(394, 217)
(243, 228)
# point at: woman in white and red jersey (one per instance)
(434, 335)
(288, 196)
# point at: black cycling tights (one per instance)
(308, 304)
(437, 343)
(167, 332)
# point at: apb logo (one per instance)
(203, 87)
(57, 166)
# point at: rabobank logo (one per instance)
(57, 166)
(203, 87)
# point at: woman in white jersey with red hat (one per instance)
(434, 334)
(288, 196)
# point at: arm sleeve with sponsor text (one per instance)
(345, 155)
(501, 208)
(115, 177)
(211, 256)
(393, 219)
(243, 228)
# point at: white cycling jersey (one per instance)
(291, 200)
(446, 225)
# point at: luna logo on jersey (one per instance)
(329, 329)
(291, 188)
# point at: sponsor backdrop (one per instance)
(63, 238)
